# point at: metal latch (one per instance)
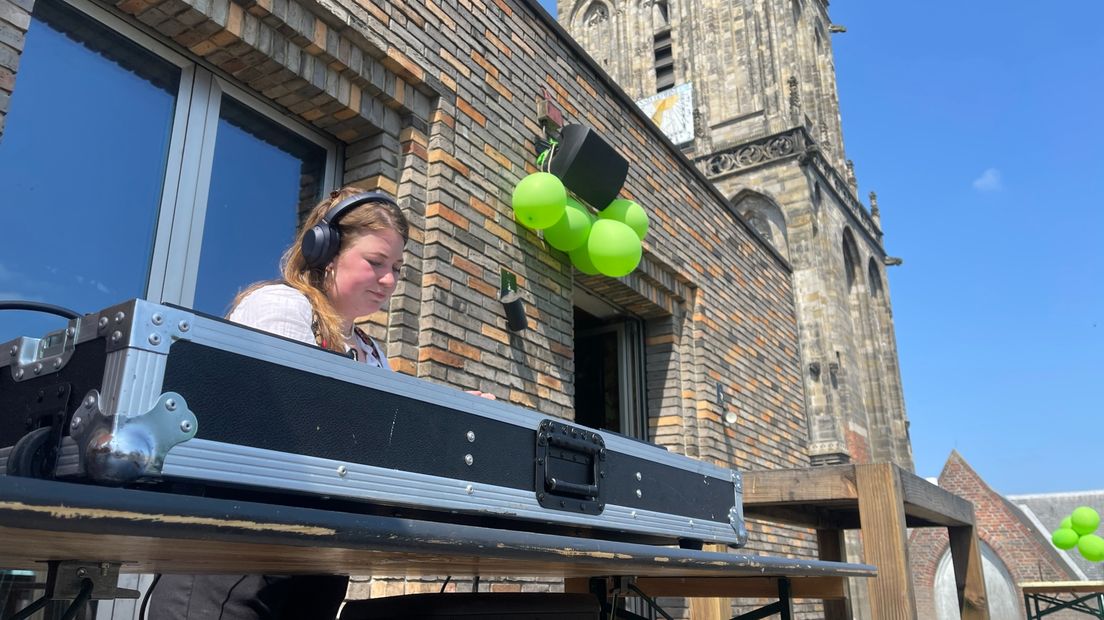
(570, 467)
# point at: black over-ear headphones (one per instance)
(321, 242)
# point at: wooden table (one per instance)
(882, 501)
(1042, 598)
(147, 531)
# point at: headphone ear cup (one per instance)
(319, 244)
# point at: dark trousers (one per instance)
(247, 597)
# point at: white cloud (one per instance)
(989, 181)
(19, 296)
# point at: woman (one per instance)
(344, 264)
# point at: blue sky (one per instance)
(981, 127)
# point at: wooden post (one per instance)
(830, 547)
(969, 580)
(711, 608)
(884, 540)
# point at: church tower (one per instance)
(747, 88)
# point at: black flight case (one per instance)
(155, 396)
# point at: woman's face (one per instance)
(365, 273)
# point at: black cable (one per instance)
(146, 598)
(80, 601)
(445, 584)
(651, 603)
(36, 306)
(29, 610)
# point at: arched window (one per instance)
(875, 276)
(851, 260)
(597, 14)
(661, 18)
(1000, 588)
(595, 30)
(765, 216)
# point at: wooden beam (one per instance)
(742, 587)
(714, 607)
(821, 516)
(969, 580)
(832, 547)
(1062, 587)
(884, 540)
(932, 503)
(799, 486)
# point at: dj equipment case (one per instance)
(156, 396)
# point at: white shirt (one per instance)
(280, 309)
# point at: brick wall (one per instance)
(1025, 554)
(435, 100)
(15, 17)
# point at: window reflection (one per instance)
(82, 159)
(262, 177)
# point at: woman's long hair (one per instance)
(315, 282)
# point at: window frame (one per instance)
(173, 267)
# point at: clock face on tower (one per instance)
(673, 112)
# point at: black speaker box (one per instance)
(588, 166)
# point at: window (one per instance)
(609, 370)
(82, 181)
(131, 171)
(248, 222)
(664, 62)
(660, 15)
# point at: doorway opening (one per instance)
(609, 369)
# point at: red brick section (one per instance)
(15, 17)
(1026, 555)
(859, 447)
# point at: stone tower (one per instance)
(747, 88)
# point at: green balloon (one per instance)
(1064, 538)
(539, 200)
(1084, 520)
(1091, 547)
(629, 213)
(1067, 523)
(580, 257)
(614, 248)
(572, 230)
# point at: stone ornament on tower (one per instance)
(795, 101)
(874, 213)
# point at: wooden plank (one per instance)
(742, 587)
(827, 588)
(799, 486)
(149, 531)
(843, 514)
(1062, 587)
(831, 547)
(932, 503)
(711, 608)
(885, 543)
(969, 580)
(717, 607)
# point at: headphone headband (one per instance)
(337, 211)
(321, 243)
